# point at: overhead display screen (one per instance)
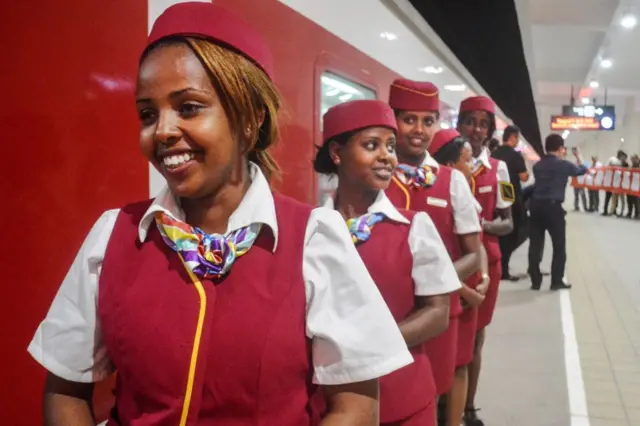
(563, 122)
(589, 111)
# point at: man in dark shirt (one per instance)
(517, 173)
(551, 174)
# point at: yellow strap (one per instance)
(405, 190)
(196, 343)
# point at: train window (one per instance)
(333, 91)
(336, 89)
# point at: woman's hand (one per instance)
(483, 287)
(473, 298)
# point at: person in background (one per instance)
(615, 161)
(220, 301)
(551, 174)
(517, 173)
(632, 200)
(416, 277)
(421, 184)
(450, 149)
(617, 198)
(594, 194)
(493, 190)
(493, 144)
(579, 194)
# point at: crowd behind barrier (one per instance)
(618, 180)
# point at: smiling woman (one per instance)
(417, 275)
(185, 133)
(219, 301)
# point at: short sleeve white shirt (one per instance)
(433, 272)
(354, 336)
(463, 203)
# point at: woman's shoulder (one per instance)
(408, 214)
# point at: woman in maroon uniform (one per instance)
(402, 250)
(421, 184)
(218, 302)
(450, 149)
(493, 190)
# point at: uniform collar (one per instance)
(257, 206)
(482, 160)
(429, 161)
(382, 204)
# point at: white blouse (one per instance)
(354, 336)
(433, 272)
(463, 203)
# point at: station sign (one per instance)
(589, 111)
(563, 122)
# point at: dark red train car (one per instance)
(71, 142)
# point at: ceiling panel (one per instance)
(593, 13)
(565, 49)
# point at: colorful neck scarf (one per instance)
(209, 256)
(420, 177)
(360, 227)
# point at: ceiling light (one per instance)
(586, 100)
(565, 134)
(606, 63)
(594, 84)
(388, 36)
(432, 70)
(629, 21)
(455, 87)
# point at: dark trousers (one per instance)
(607, 199)
(547, 216)
(594, 200)
(632, 205)
(578, 193)
(510, 243)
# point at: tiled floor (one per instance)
(605, 266)
(525, 382)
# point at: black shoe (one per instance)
(509, 277)
(560, 286)
(470, 418)
(545, 274)
(536, 280)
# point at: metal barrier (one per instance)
(618, 180)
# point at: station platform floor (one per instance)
(569, 358)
